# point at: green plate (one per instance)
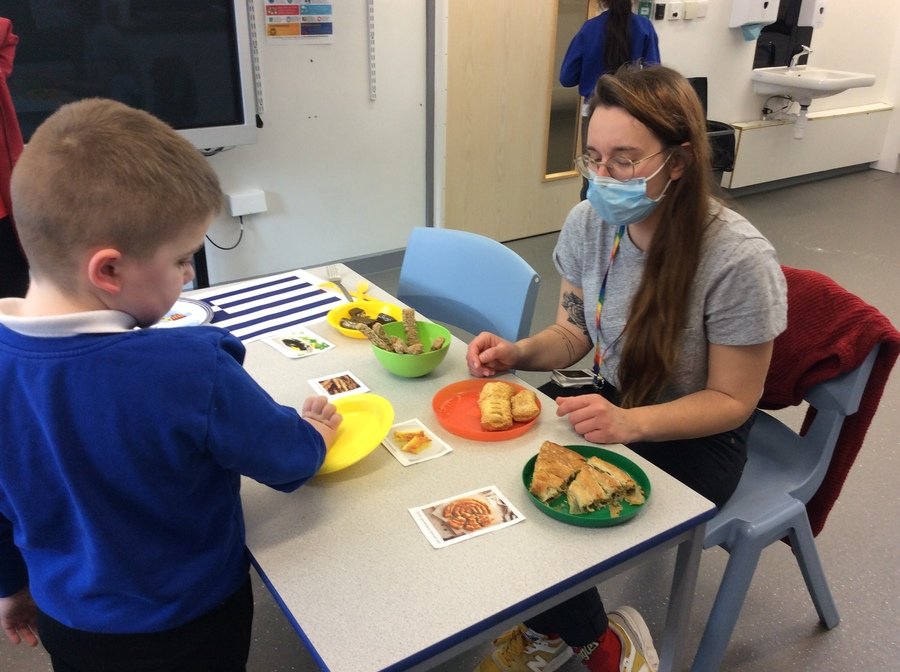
(558, 507)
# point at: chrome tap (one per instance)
(804, 51)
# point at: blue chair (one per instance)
(783, 471)
(468, 281)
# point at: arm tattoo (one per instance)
(567, 340)
(574, 307)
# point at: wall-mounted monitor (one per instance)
(186, 61)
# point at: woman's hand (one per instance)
(596, 419)
(488, 355)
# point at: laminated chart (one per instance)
(258, 307)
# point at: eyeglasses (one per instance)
(618, 167)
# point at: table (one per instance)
(352, 572)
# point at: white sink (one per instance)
(804, 83)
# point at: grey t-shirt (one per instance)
(739, 298)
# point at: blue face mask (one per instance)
(623, 203)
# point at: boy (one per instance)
(121, 449)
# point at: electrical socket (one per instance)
(247, 202)
(674, 10)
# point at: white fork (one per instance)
(334, 276)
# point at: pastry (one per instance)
(598, 484)
(554, 469)
(629, 489)
(493, 402)
(591, 489)
(524, 406)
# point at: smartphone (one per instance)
(572, 377)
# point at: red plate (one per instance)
(456, 408)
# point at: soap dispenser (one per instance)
(753, 12)
(812, 13)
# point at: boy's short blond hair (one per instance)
(97, 174)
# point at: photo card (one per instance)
(340, 384)
(298, 342)
(412, 442)
(465, 516)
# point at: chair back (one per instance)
(807, 455)
(835, 355)
(469, 281)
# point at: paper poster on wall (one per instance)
(299, 21)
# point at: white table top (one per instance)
(346, 561)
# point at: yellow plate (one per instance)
(367, 420)
(371, 308)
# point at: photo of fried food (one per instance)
(339, 384)
(412, 441)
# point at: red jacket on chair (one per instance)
(830, 331)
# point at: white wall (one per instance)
(890, 156)
(857, 35)
(344, 176)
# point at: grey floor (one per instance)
(847, 227)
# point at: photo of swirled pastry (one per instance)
(468, 514)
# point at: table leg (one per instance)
(684, 581)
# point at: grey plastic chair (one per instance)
(468, 281)
(783, 471)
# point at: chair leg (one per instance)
(807, 556)
(727, 607)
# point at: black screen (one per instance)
(175, 58)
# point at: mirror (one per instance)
(779, 41)
(563, 142)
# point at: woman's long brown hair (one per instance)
(664, 101)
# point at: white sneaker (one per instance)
(638, 653)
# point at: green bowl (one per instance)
(414, 366)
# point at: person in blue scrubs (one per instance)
(605, 43)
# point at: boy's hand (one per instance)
(324, 415)
(18, 617)
(318, 408)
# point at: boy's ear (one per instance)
(105, 270)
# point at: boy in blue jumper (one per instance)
(121, 447)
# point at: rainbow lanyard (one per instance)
(598, 356)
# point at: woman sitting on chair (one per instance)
(684, 298)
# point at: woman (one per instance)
(684, 299)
